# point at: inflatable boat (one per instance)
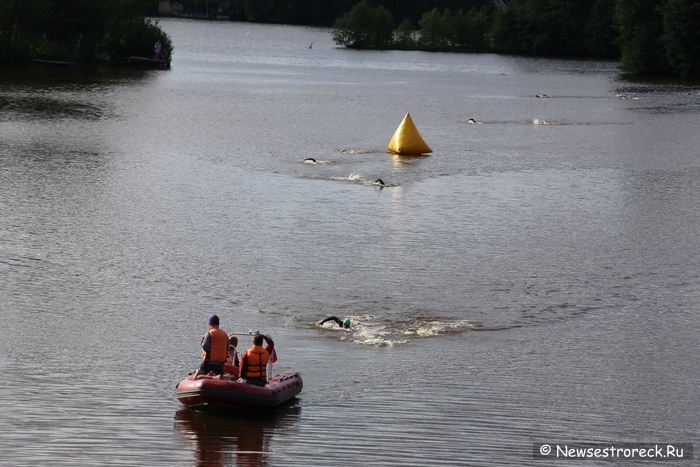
(229, 393)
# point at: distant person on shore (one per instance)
(254, 362)
(214, 349)
(343, 324)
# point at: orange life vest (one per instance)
(218, 350)
(232, 370)
(256, 365)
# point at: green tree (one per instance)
(513, 30)
(404, 35)
(364, 27)
(353, 30)
(600, 34)
(135, 37)
(681, 20)
(641, 42)
(435, 30)
(383, 35)
(471, 31)
(261, 11)
(71, 29)
(21, 23)
(556, 27)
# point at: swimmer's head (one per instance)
(346, 323)
(379, 181)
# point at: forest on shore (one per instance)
(648, 36)
(77, 30)
(654, 37)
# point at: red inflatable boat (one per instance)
(208, 393)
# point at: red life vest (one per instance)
(256, 365)
(218, 350)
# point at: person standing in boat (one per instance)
(156, 50)
(254, 361)
(214, 349)
(343, 324)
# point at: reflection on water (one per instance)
(400, 159)
(238, 439)
(48, 107)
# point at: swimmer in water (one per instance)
(379, 182)
(310, 160)
(472, 121)
(343, 324)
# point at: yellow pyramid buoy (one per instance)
(407, 140)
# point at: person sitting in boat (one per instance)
(214, 349)
(232, 352)
(343, 324)
(232, 362)
(253, 369)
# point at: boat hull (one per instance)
(210, 393)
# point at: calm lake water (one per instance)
(535, 279)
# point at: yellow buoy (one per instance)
(407, 140)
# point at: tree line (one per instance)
(648, 36)
(320, 12)
(77, 30)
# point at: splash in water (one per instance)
(353, 151)
(311, 160)
(381, 332)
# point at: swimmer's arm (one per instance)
(330, 318)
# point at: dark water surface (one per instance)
(535, 279)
